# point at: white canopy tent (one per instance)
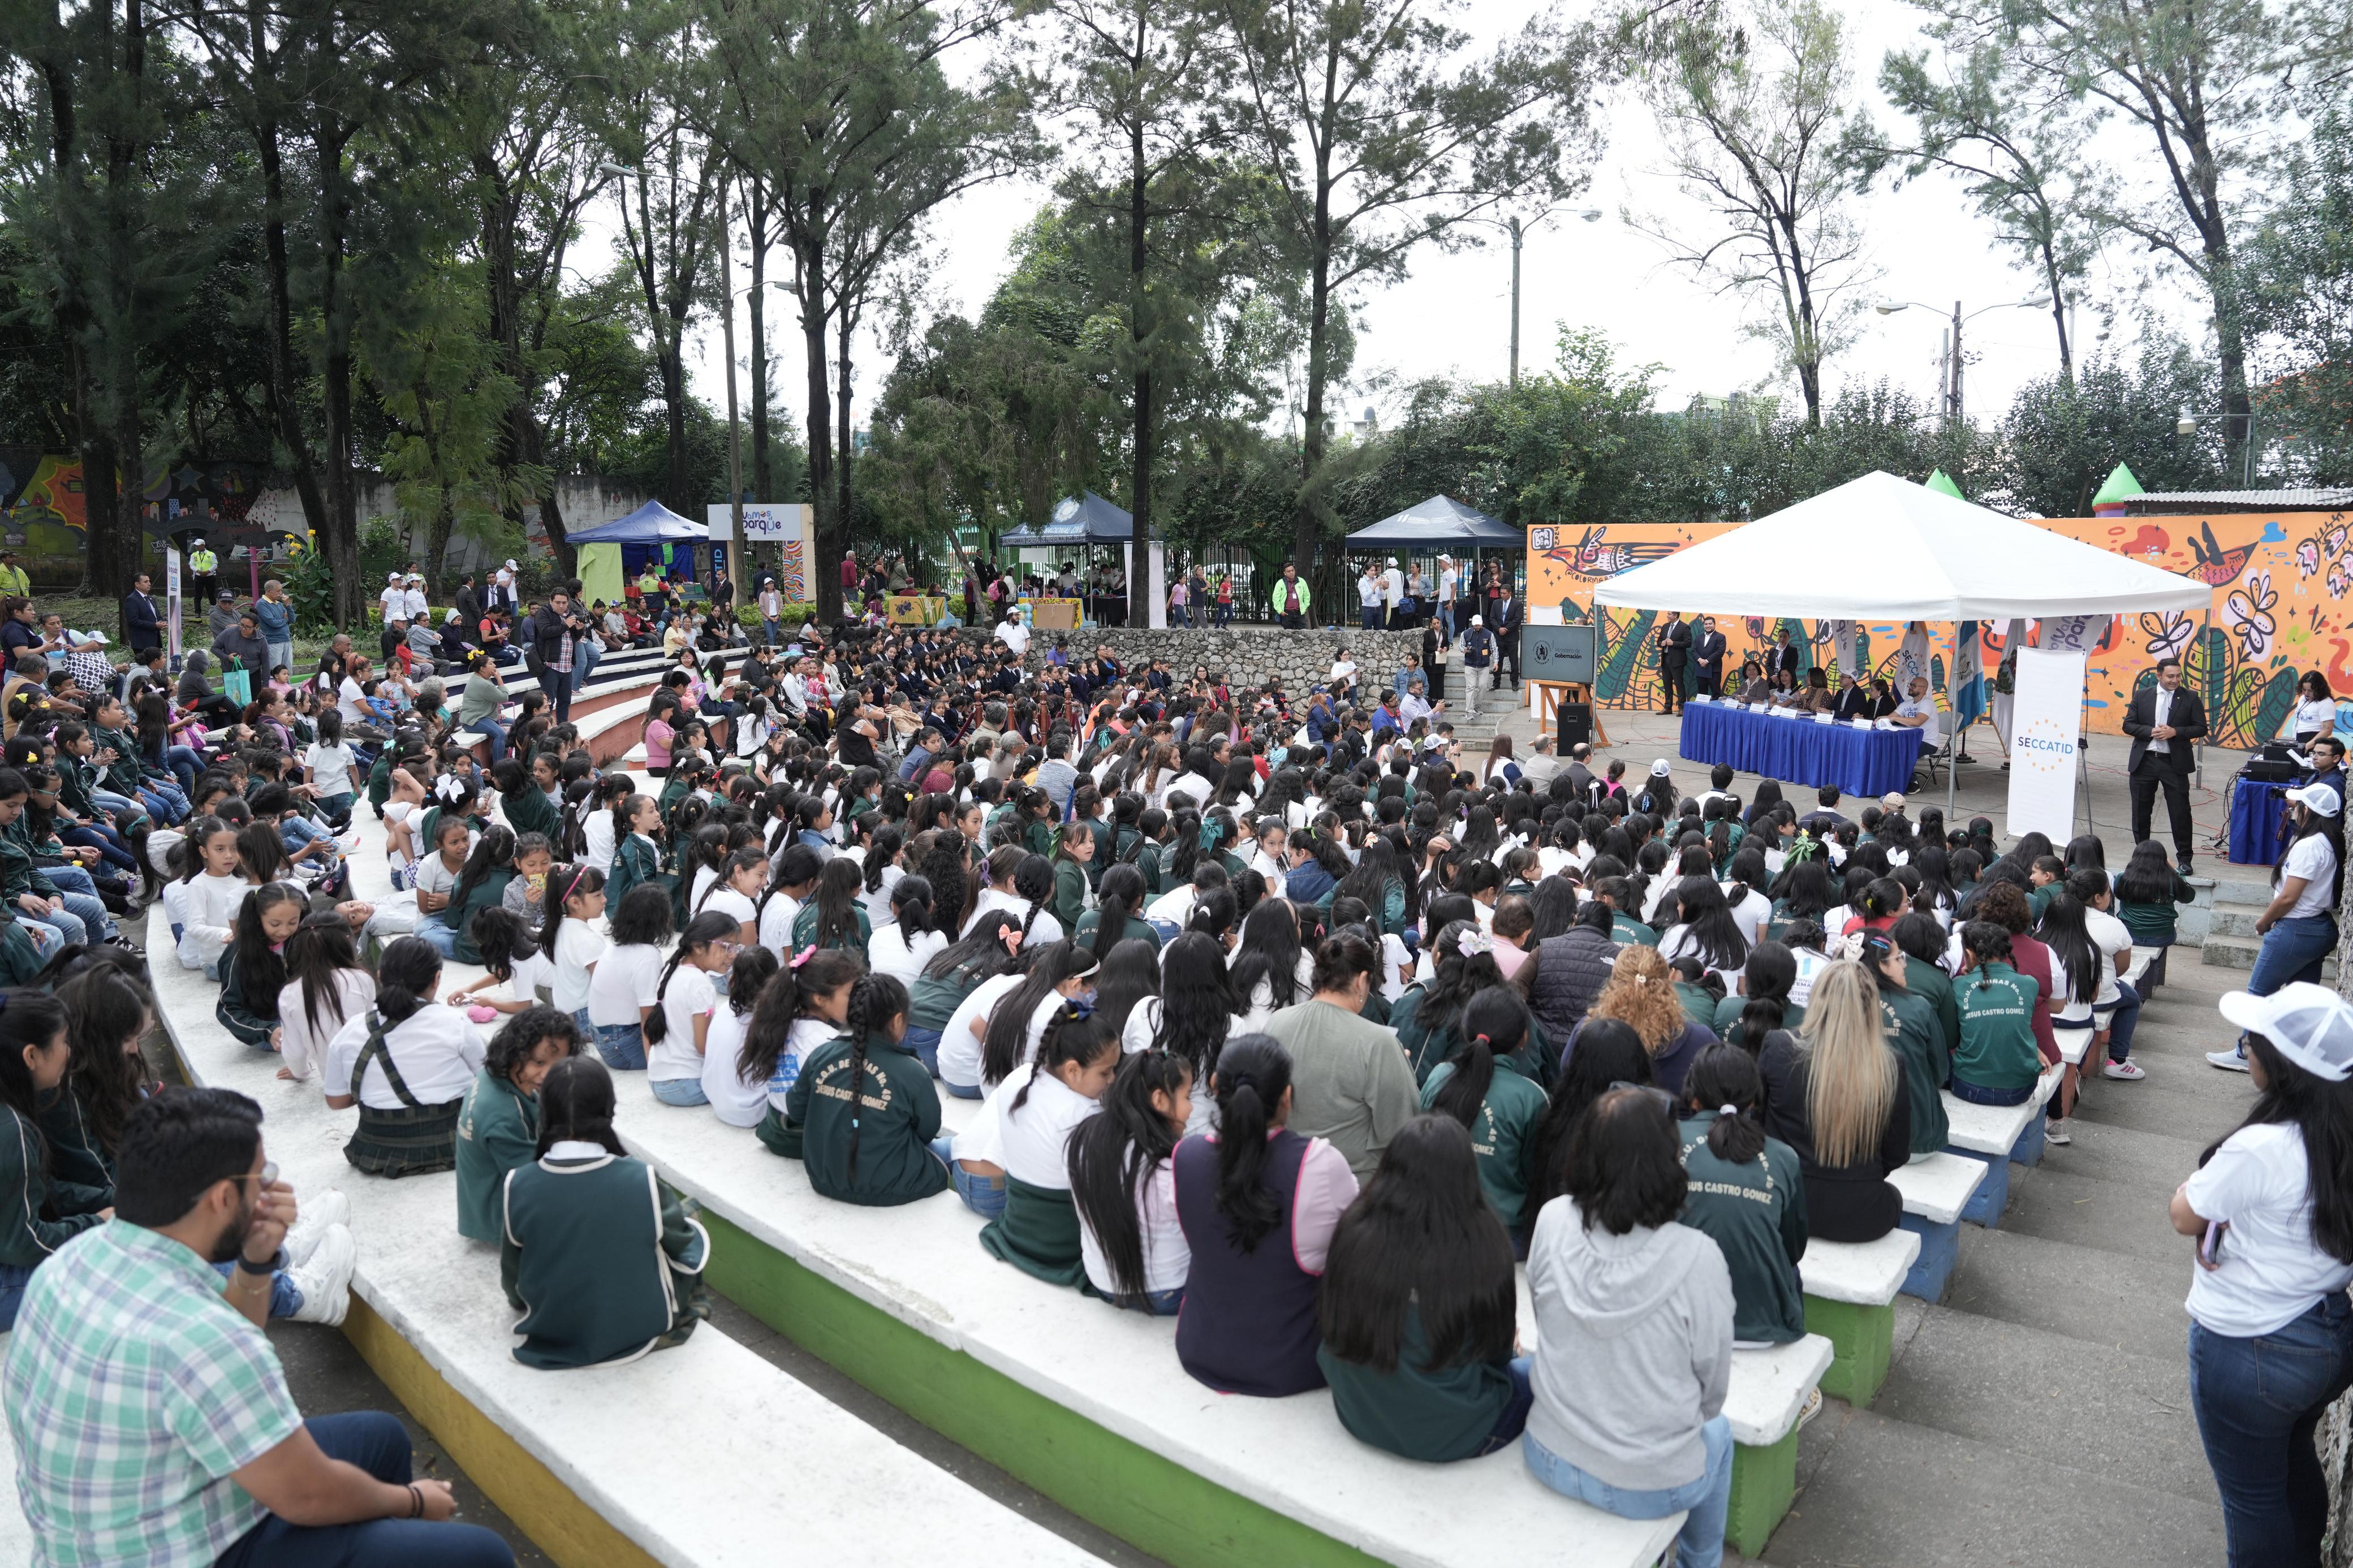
(1883, 549)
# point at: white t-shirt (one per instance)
(1031, 1143)
(891, 953)
(626, 979)
(2259, 1182)
(2110, 935)
(1679, 942)
(735, 905)
(959, 1055)
(330, 768)
(2315, 713)
(1168, 1257)
(1932, 732)
(1752, 915)
(703, 877)
(1446, 582)
(300, 1047)
(437, 1049)
(687, 998)
(2311, 858)
(801, 1041)
(353, 702)
(1043, 930)
(737, 1103)
(1015, 635)
(578, 945)
(776, 924)
(597, 834)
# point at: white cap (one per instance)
(197, 544)
(2318, 798)
(1892, 800)
(1478, 620)
(511, 565)
(416, 576)
(1659, 768)
(1392, 560)
(392, 576)
(2309, 1024)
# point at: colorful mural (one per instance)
(792, 578)
(42, 510)
(2280, 585)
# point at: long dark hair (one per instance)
(1492, 1024)
(781, 1001)
(1420, 1235)
(1455, 977)
(2065, 933)
(29, 1019)
(711, 925)
(1270, 952)
(1131, 973)
(1714, 937)
(2323, 1113)
(874, 1001)
(1116, 901)
(980, 954)
(261, 974)
(1009, 1025)
(1772, 970)
(837, 906)
(494, 850)
(566, 883)
(1197, 1004)
(406, 970)
(575, 1104)
(2332, 828)
(2148, 877)
(1112, 1154)
(105, 1005)
(1608, 1052)
(1725, 1080)
(1253, 1073)
(320, 950)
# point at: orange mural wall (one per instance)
(2280, 582)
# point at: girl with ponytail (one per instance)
(1747, 1193)
(736, 1100)
(1746, 1020)
(678, 1027)
(1257, 1204)
(1018, 1022)
(803, 1007)
(1125, 1189)
(1024, 1132)
(1117, 915)
(512, 964)
(960, 984)
(863, 1112)
(913, 938)
(407, 1063)
(1484, 1086)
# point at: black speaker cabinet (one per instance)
(1573, 724)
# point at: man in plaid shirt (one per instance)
(150, 1416)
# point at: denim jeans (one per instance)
(2257, 1401)
(1514, 1418)
(1978, 1094)
(1446, 618)
(2293, 950)
(2122, 1022)
(679, 1090)
(925, 1044)
(1708, 1496)
(106, 841)
(281, 653)
(14, 1278)
(285, 1296)
(557, 684)
(338, 809)
(961, 1090)
(1376, 617)
(984, 1195)
(438, 931)
(583, 663)
(498, 734)
(622, 1046)
(378, 1444)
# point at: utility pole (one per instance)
(737, 576)
(1516, 301)
(1953, 387)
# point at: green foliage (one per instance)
(2061, 439)
(2300, 277)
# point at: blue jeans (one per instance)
(115, 805)
(1978, 1094)
(14, 1278)
(1176, 616)
(1708, 1497)
(984, 1195)
(961, 1090)
(680, 1091)
(83, 918)
(583, 663)
(622, 1046)
(1446, 616)
(1374, 617)
(2257, 1400)
(438, 931)
(1514, 1418)
(378, 1444)
(2293, 950)
(106, 841)
(186, 763)
(285, 1296)
(338, 808)
(2123, 1022)
(498, 734)
(925, 1044)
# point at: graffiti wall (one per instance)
(2280, 585)
(43, 514)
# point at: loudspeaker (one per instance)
(1573, 724)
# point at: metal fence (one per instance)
(1331, 583)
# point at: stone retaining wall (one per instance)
(1244, 655)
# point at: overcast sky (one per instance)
(1452, 316)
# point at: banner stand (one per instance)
(2046, 758)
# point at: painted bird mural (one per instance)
(1591, 556)
(2214, 564)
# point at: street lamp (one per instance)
(1951, 373)
(2187, 422)
(1513, 227)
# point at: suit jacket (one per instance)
(2187, 717)
(1855, 702)
(1674, 644)
(1779, 659)
(1710, 652)
(1509, 614)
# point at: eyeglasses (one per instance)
(266, 1174)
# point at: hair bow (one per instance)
(1474, 941)
(802, 956)
(1213, 832)
(1012, 935)
(450, 787)
(1078, 1007)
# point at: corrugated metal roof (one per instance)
(2328, 499)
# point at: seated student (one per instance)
(952, 977)
(109, 1011)
(526, 891)
(1123, 1185)
(736, 1100)
(833, 917)
(1634, 1321)
(1641, 993)
(1763, 1003)
(1022, 1136)
(498, 1125)
(1746, 1192)
(806, 1005)
(1250, 1325)
(1834, 1092)
(986, 1041)
(621, 988)
(326, 987)
(46, 1209)
(449, 841)
(1416, 1306)
(677, 1025)
(482, 885)
(1996, 1061)
(1489, 1085)
(407, 1063)
(2146, 892)
(865, 1110)
(253, 968)
(599, 1258)
(1910, 1025)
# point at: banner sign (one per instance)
(2046, 716)
(171, 606)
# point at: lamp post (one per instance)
(2187, 422)
(1518, 231)
(1951, 374)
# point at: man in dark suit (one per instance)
(1505, 625)
(1674, 653)
(1708, 654)
(2163, 720)
(1854, 700)
(142, 625)
(1582, 785)
(1781, 655)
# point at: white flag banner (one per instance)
(1841, 652)
(2073, 633)
(2047, 708)
(1911, 659)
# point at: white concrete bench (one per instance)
(1936, 1188)
(1997, 1136)
(565, 1454)
(1851, 1289)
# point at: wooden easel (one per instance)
(1548, 695)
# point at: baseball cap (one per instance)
(1478, 620)
(392, 576)
(511, 565)
(196, 545)
(1892, 800)
(1392, 560)
(2309, 1024)
(2318, 798)
(1659, 769)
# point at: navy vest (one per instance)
(1248, 1325)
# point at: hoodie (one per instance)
(1634, 1347)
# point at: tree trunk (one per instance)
(763, 482)
(1308, 524)
(1139, 501)
(283, 408)
(112, 538)
(824, 569)
(845, 323)
(341, 539)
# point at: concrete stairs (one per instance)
(2230, 905)
(2041, 1413)
(1476, 731)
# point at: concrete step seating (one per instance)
(554, 1450)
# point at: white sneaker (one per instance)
(2054, 1130)
(2232, 1060)
(325, 1280)
(328, 1207)
(2128, 1070)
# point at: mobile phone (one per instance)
(2209, 1246)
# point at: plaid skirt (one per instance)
(411, 1142)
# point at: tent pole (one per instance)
(1953, 765)
(2205, 623)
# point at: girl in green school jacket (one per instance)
(524, 800)
(1746, 1191)
(1996, 1061)
(253, 969)
(108, 1012)
(1910, 1024)
(865, 1109)
(481, 885)
(34, 1056)
(833, 917)
(1487, 1086)
(637, 857)
(602, 1262)
(498, 1125)
(1074, 852)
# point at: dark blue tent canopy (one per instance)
(1439, 522)
(1082, 519)
(652, 523)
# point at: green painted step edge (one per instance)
(1149, 1501)
(1763, 1485)
(1862, 1345)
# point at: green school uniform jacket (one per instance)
(1910, 1024)
(1147, 861)
(805, 928)
(498, 1131)
(598, 1258)
(487, 894)
(242, 1010)
(1069, 901)
(933, 1000)
(530, 811)
(1434, 1414)
(26, 1194)
(1996, 1047)
(379, 783)
(18, 874)
(1934, 987)
(1136, 929)
(1699, 1003)
(1727, 1016)
(122, 776)
(1624, 928)
(897, 1116)
(75, 1157)
(635, 861)
(1499, 1134)
(1757, 1215)
(1037, 837)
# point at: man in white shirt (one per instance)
(395, 600)
(1015, 635)
(413, 598)
(1919, 711)
(1417, 703)
(1368, 594)
(1393, 594)
(1448, 581)
(502, 587)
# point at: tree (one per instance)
(1752, 115)
(1380, 133)
(2015, 155)
(2299, 273)
(2061, 439)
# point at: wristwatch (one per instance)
(267, 1266)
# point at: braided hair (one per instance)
(875, 1002)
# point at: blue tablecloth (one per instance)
(2256, 809)
(1862, 762)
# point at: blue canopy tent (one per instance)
(652, 531)
(1082, 519)
(1440, 522)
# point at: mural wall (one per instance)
(2280, 585)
